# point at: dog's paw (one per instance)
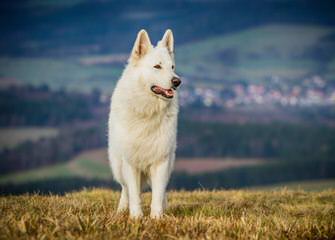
(156, 214)
(121, 209)
(136, 213)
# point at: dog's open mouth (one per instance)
(168, 93)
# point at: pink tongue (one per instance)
(168, 92)
(163, 91)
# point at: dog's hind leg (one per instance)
(116, 166)
(165, 202)
(124, 199)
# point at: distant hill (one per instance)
(260, 54)
(63, 28)
(288, 52)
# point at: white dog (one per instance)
(143, 124)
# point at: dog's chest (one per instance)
(151, 139)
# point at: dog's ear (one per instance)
(168, 40)
(141, 46)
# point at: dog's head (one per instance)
(155, 65)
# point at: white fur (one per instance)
(143, 125)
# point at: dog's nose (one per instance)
(175, 81)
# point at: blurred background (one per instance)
(257, 99)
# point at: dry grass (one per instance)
(192, 215)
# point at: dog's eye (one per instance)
(172, 66)
(157, 66)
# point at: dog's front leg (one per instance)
(159, 174)
(132, 177)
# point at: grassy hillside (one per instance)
(191, 215)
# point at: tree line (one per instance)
(272, 140)
(39, 106)
(81, 129)
(47, 151)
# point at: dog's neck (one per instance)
(150, 106)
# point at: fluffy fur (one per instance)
(143, 125)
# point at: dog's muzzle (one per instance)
(168, 93)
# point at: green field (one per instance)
(93, 164)
(58, 73)
(254, 54)
(11, 137)
(90, 214)
(90, 164)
